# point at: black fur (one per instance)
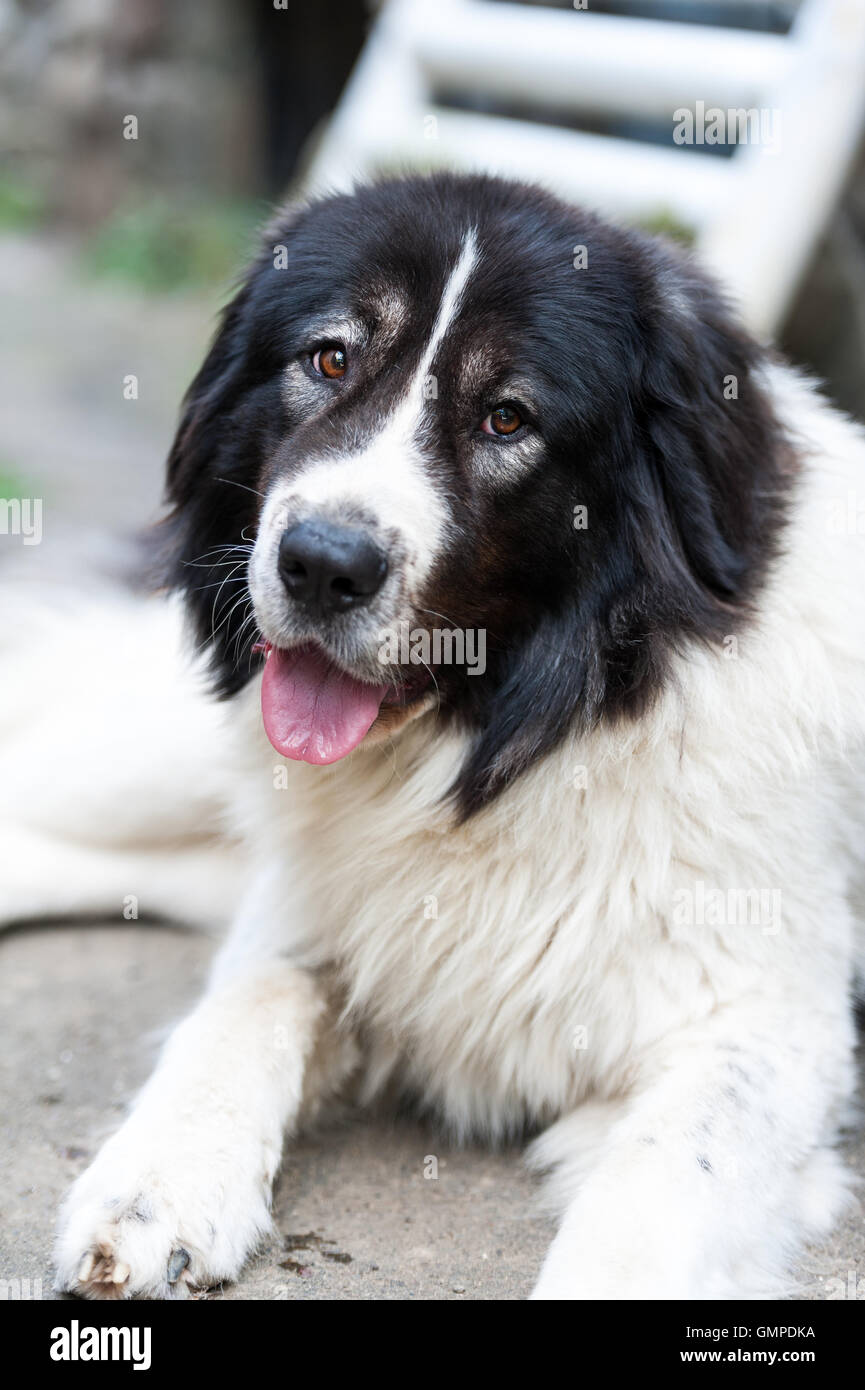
(628, 358)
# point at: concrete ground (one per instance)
(82, 1008)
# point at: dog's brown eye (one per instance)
(330, 361)
(503, 420)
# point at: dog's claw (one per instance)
(177, 1263)
(86, 1267)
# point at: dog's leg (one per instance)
(713, 1167)
(180, 1195)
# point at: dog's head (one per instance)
(459, 447)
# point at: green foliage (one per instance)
(11, 484)
(161, 245)
(665, 224)
(22, 204)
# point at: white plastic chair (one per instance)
(756, 215)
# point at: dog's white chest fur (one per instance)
(506, 969)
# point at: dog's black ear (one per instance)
(232, 418)
(696, 478)
(710, 449)
(208, 398)
(219, 434)
(199, 547)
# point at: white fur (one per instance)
(530, 964)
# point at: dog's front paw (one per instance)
(127, 1247)
(617, 1265)
(137, 1229)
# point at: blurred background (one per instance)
(144, 141)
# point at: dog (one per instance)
(531, 592)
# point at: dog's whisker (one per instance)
(217, 628)
(230, 551)
(219, 582)
(244, 486)
(247, 627)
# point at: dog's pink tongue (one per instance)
(313, 712)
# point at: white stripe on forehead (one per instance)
(406, 417)
(448, 310)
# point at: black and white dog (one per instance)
(536, 594)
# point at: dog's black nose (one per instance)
(330, 568)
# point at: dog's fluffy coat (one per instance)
(488, 912)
